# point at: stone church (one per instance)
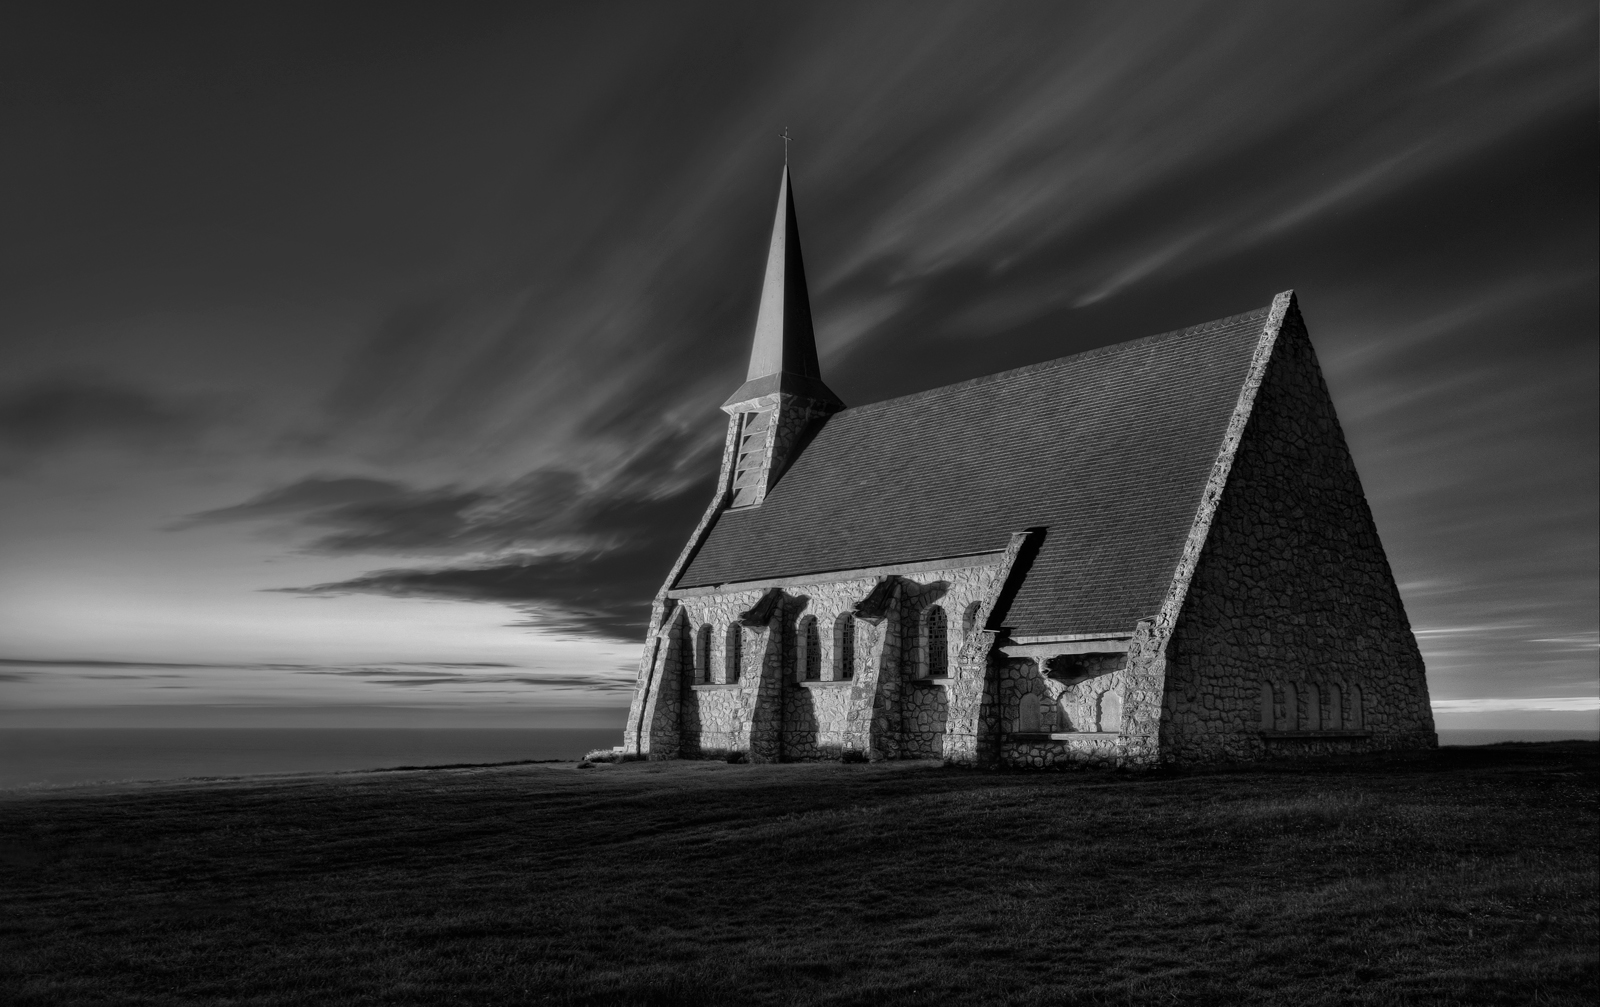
(1153, 552)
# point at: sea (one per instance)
(35, 757)
(49, 758)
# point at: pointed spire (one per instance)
(783, 355)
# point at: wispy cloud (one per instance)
(1479, 630)
(1551, 704)
(1589, 641)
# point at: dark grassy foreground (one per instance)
(1468, 876)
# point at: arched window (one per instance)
(935, 643)
(1028, 713)
(1111, 710)
(1291, 708)
(1313, 708)
(1335, 708)
(809, 659)
(702, 654)
(1266, 719)
(844, 648)
(1357, 715)
(969, 618)
(732, 653)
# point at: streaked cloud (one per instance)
(605, 593)
(455, 678)
(1497, 704)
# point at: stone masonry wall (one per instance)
(924, 714)
(1089, 750)
(813, 721)
(1292, 589)
(1082, 695)
(876, 715)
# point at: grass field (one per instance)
(1468, 876)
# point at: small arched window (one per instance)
(1291, 708)
(969, 618)
(1111, 710)
(844, 648)
(1028, 713)
(732, 654)
(1266, 719)
(702, 654)
(1313, 708)
(808, 643)
(1335, 708)
(936, 643)
(1357, 715)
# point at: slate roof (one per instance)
(1109, 450)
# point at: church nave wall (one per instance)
(823, 681)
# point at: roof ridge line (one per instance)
(1261, 312)
(1222, 467)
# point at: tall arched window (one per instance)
(809, 659)
(844, 648)
(1265, 701)
(702, 654)
(1335, 708)
(1313, 708)
(1357, 716)
(935, 643)
(732, 654)
(1291, 708)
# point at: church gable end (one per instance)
(1292, 596)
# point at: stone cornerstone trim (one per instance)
(634, 739)
(1145, 685)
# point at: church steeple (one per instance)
(783, 354)
(783, 396)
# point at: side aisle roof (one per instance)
(1108, 450)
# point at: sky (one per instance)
(362, 361)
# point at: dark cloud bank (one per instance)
(575, 558)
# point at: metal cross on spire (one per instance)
(786, 139)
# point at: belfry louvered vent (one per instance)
(751, 464)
